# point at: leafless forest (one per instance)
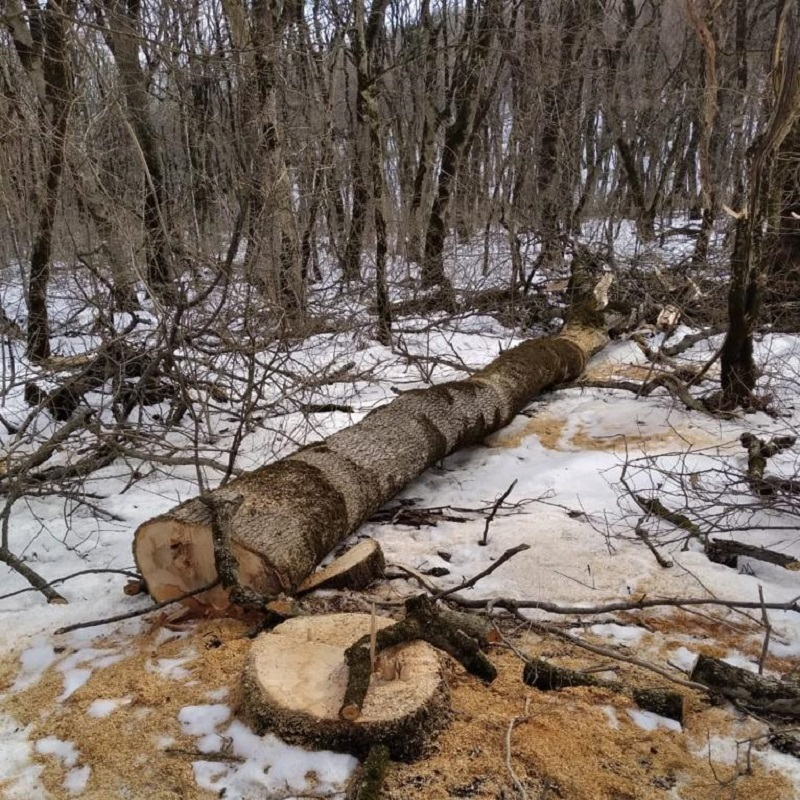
(147, 144)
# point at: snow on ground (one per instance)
(566, 455)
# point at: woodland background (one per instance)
(147, 145)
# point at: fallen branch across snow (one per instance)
(138, 613)
(513, 604)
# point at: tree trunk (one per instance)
(288, 515)
(42, 49)
(738, 370)
(272, 260)
(431, 121)
(469, 85)
(123, 36)
(706, 33)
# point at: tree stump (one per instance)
(296, 677)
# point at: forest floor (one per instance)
(147, 708)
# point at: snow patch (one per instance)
(268, 765)
(106, 707)
(51, 746)
(649, 721)
(33, 662)
(203, 720)
(75, 782)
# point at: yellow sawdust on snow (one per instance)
(712, 635)
(550, 430)
(565, 746)
(123, 749)
(565, 742)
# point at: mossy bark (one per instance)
(368, 781)
(769, 698)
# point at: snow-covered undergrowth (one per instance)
(250, 395)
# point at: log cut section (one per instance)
(296, 678)
(289, 515)
(356, 569)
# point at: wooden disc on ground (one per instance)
(356, 569)
(296, 676)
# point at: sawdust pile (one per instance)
(125, 750)
(556, 433)
(579, 743)
(711, 635)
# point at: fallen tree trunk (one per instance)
(114, 361)
(282, 519)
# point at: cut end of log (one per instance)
(350, 712)
(178, 557)
(296, 677)
(356, 569)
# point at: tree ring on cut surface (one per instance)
(296, 676)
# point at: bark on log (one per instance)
(727, 553)
(295, 511)
(422, 621)
(296, 678)
(356, 569)
(769, 698)
(367, 782)
(547, 677)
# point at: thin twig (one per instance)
(468, 584)
(511, 725)
(425, 582)
(30, 575)
(645, 537)
(608, 653)
(211, 755)
(140, 613)
(129, 574)
(512, 604)
(767, 631)
(495, 508)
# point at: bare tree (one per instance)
(472, 80)
(41, 39)
(748, 267)
(121, 25)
